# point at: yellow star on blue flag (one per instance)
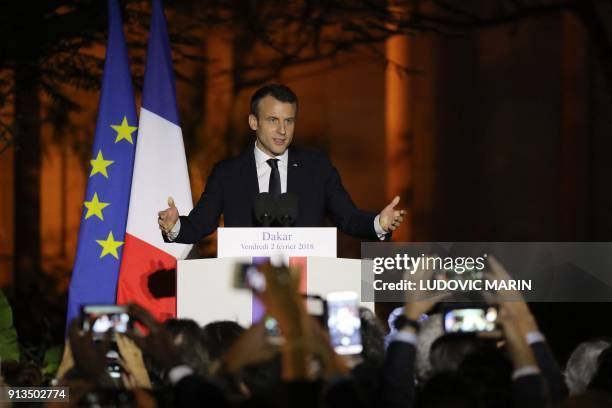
(95, 207)
(124, 131)
(99, 165)
(109, 245)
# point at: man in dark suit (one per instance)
(274, 166)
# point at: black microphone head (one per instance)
(264, 208)
(287, 207)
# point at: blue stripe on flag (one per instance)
(159, 94)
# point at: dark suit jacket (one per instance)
(550, 371)
(232, 186)
(529, 391)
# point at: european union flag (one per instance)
(105, 208)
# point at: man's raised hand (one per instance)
(390, 218)
(168, 217)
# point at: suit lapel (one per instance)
(295, 172)
(250, 169)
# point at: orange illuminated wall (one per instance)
(399, 129)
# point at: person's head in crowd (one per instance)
(21, 374)
(372, 337)
(582, 364)
(447, 352)
(448, 390)
(260, 378)
(602, 380)
(219, 336)
(395, 313)
(588, 399)
(488, 370)
(188, 339)
(105, 397)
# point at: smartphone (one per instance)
(248, 276)
(101, 318)
(343, 322)
(470, 320)
(113, 366)
(316, 307)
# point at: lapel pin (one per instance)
(295, 165)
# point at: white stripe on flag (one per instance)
(160, 171)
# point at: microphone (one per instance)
(264, 209)
(287, 209)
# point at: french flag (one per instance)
(160, 170)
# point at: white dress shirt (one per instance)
(264, 170)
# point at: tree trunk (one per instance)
(595, 24)
(27, 179)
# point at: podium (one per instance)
(205, 291)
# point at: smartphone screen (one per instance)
(470, 320)
(101, 318)
(273, 331)
(343, 322)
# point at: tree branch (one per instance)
(526, 12)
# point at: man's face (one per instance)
(275, 125)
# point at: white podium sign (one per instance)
(274, 242)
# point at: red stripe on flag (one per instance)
(147, 277)
(301, 262)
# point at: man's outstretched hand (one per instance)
(390, 218)
(167, 218)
